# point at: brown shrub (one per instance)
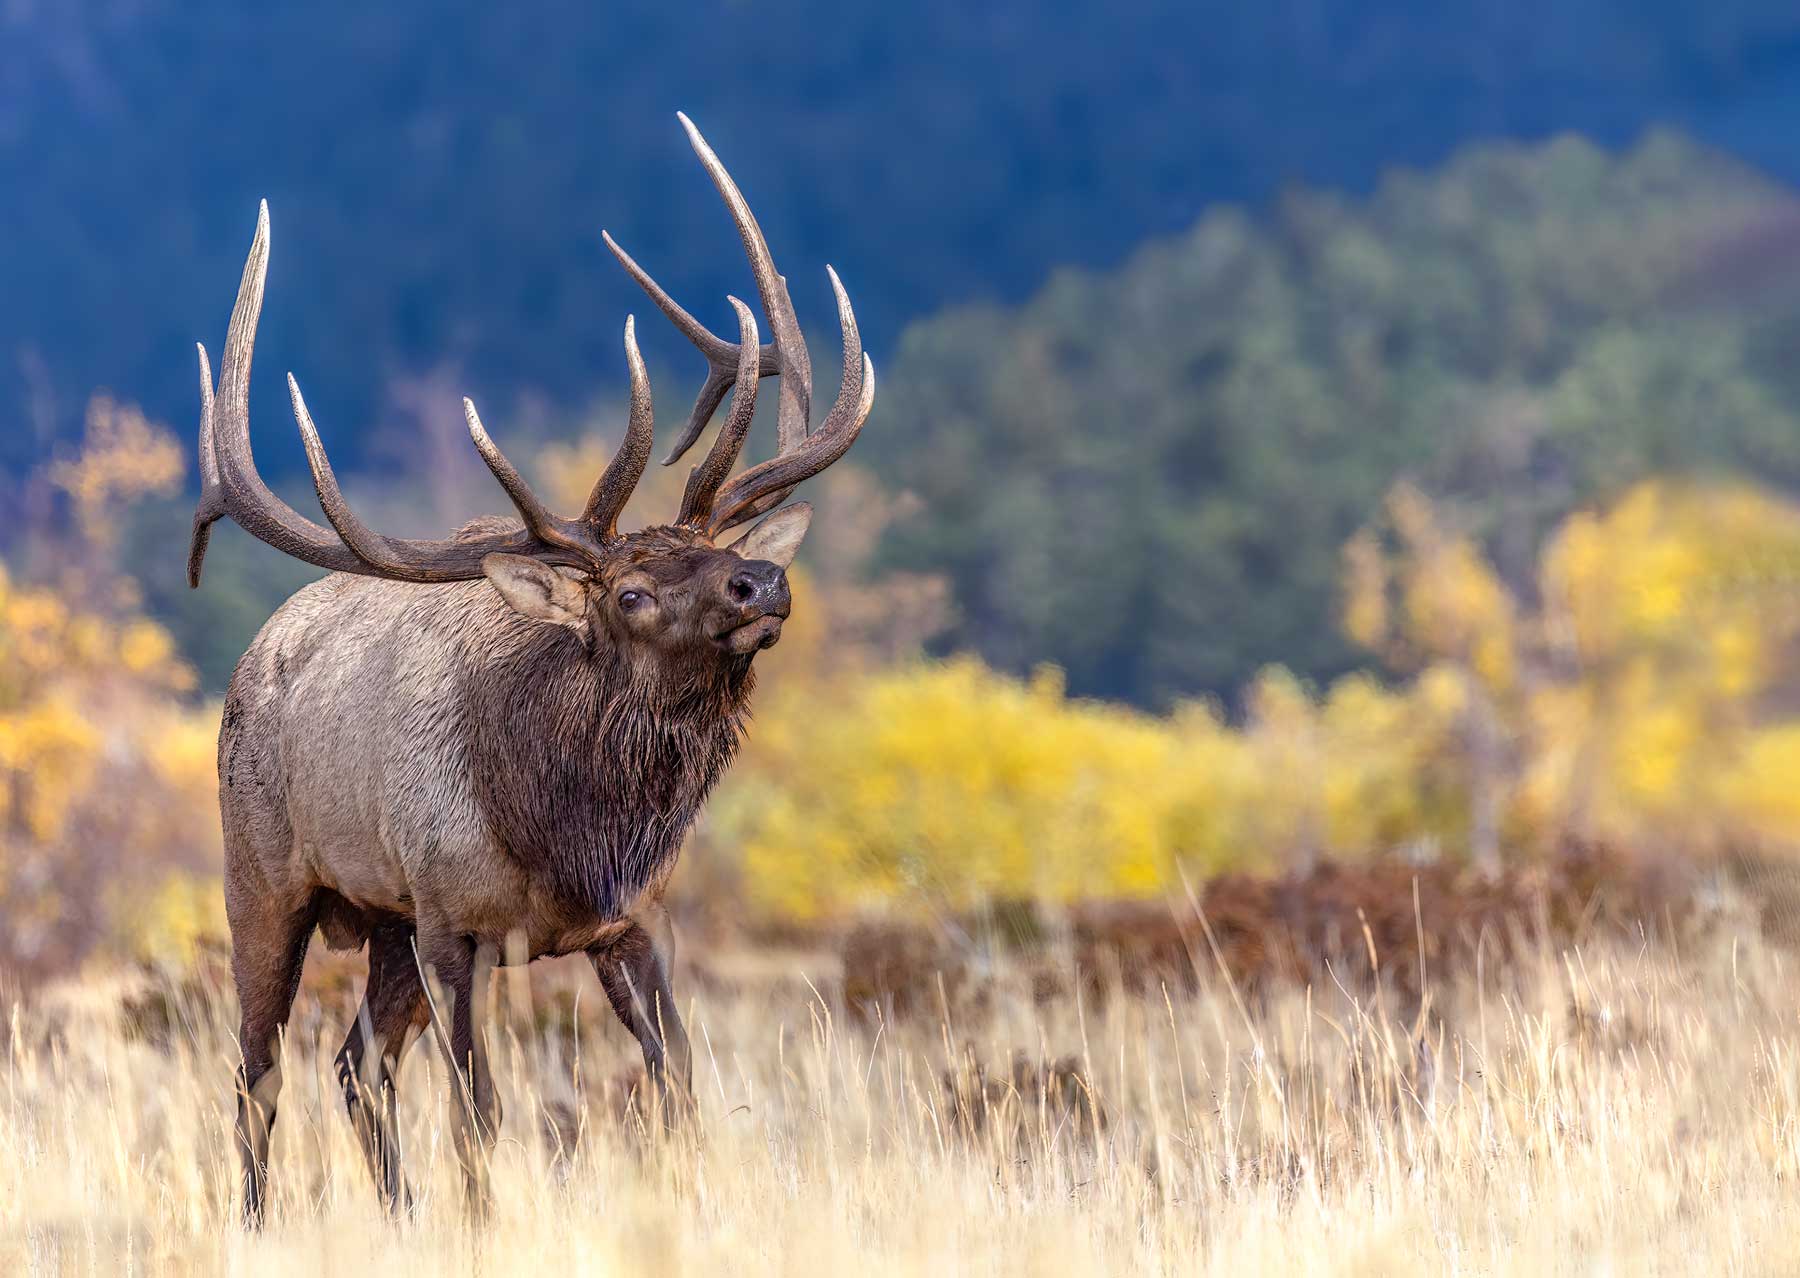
(895, 968)
(1384, 924)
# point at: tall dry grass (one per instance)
(1626, 1108)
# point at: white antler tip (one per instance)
(476, 429)
(301, 416)
(694, 138)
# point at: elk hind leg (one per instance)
(393, 1011)
(268, 949)
(457, 970)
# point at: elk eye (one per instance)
(630, 600)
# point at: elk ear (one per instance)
(777, 538)
(536, 590)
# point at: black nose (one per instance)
(757, 583)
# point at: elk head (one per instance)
(658, 593)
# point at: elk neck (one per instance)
(590, 768)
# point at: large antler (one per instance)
(802, 452)
(230, 484)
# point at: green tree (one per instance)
(1146, 475)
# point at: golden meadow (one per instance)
(1631, 702)
(1437, 1087)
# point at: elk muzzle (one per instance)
(756, 595)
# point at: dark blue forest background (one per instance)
(1142, 470)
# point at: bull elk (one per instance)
(460, 751)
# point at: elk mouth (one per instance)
(750, 636)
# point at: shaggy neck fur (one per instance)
(589, 770)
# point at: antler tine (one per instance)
(235, 488)
(211, 506)
(721, 355)
(622, 473)
(785, 355)
(539, 522)
(370, 546)
(792, 421)
(779, 476)
(398, 558)
(209, 459)
(230, 484)
(703, 483)
(765, 486)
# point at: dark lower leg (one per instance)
(267, 952)
(392, 1011)
(634, 970)
(457, 971)
(258, 1086)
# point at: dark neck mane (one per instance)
(588, 772)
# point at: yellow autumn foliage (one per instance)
(106, 765)
(123, 456)
(1642, 694)
(1632, 704)
(106, 774)
(948, 782)
(180, 911)
(1675, 614)
(955, 782)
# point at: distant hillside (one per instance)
(439, 172)
(1147, 475)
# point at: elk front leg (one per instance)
(456, 971)
(393, 1011)
(634, 969)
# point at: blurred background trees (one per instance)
(1642, 698)
(108, 825)
(1146, 475)
(1328, 432)
(439, 171)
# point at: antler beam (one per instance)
(231, 484)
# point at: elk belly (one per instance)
(370, 884)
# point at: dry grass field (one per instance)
(1627, 1105)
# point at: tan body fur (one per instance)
(346, 766)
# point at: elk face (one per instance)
(698, 598)
(667, 591)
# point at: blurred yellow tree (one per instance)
(1669, 623)
(1639, 702)
(124, 456)
(106, 766)
(1641, 696)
